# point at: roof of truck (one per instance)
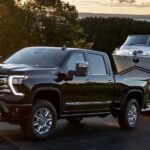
(64, 49)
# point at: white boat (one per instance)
(134, 55)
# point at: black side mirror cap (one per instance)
(81, 68)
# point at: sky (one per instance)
(138, 7)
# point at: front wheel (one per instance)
(128, 117)
(41, 122)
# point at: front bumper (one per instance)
(14, 113)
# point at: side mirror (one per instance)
(81, 68)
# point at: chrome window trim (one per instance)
(98, 74)
(3, 75)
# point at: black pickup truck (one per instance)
(39, 85)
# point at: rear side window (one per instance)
(97, 64)
(71, 65)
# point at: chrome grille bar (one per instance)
(4, 88)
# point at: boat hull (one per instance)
(126, 62)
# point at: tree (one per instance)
(15, 25)
(110, 33)
(57, 23)
(128, 1)
(39, 22)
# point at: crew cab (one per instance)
(39, 85)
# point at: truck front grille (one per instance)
(4, 88)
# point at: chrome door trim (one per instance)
(87, 103)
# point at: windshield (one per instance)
(40, 57)
(137, 40)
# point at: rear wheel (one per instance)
(41, 122)
(75, 120)
(128, 118)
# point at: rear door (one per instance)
(100, 81)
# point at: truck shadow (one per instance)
(90, 134)
(66, 130)
(147, 114)
(7, 144)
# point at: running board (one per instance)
(85, 114)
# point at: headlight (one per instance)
(16, 80)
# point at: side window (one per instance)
(97, 64)
(71, 65)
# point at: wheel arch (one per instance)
(135, 94)
(53, 95)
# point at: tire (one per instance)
(128, 118)
(75, 120)
(42, 121)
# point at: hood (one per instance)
(10, 69)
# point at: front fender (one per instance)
(45, 89)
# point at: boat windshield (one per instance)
(137, 40)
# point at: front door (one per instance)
(76, 91)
